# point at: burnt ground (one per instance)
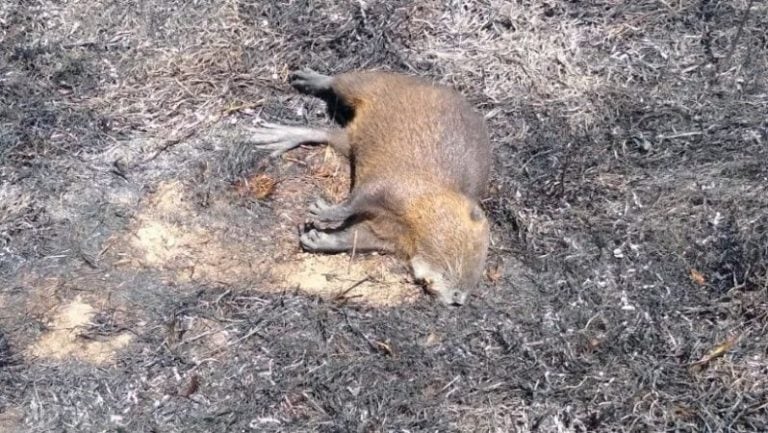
(151, 277)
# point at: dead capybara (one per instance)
(420, 162)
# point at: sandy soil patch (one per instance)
(168, 236)
(64, 340)
(371, 279)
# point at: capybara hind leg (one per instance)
(282, 138)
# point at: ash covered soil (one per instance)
(151, 278)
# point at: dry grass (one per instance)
(629, 271)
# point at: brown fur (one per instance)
(407, 128)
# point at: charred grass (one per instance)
(627, 288)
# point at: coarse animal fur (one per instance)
(420, 162)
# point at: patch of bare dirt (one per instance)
(169, 236)
(63, 340)
(370, 279)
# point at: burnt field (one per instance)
(151, 278)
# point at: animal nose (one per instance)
(458, 298)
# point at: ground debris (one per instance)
(150, 275)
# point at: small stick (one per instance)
(354, 248)
(341, 295)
